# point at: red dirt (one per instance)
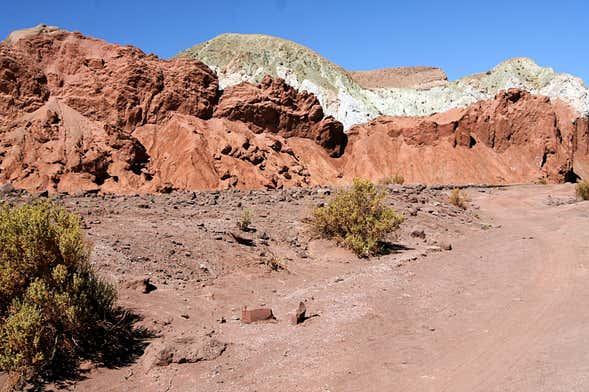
(499, 312)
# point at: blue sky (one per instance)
(461, 37)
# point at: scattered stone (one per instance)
(418, 233)
(300, 315)
(446, 245)
(143, 285)
(241, 239)
(6, 189)
(254, 315)
(182, 350)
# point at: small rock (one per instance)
(6, 189)
(255, 315)
(418, 233)
(242, 239)
(182, 350)
(300, 315)
(144, 285)
(446, 245)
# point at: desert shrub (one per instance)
(396, 178)
(53, 307)
(358, 218)
(582, 190)
(245, 220)
(458, 198)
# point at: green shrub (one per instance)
(358, 218)
(457, 198)
(582, 190)
(245, 220)
(53, 307)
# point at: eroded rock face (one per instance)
(80, 114)
(22, 87)
(273, 106)
(119, 85)
(515, 137)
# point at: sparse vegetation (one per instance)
(274, 263)
(396, 178)
(458, 198)
(245, 220)
(582, 190)
(53, 307)
(358, 218)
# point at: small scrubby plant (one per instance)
(458, 198)
(358, 217)
(53, 307)
(582, 190)
(245, 220)
(396, 179)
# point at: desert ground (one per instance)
(484, 299)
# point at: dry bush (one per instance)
(396, 178)
(245, 220)
(582, 190)
(53, 307)
(358, 218)
(458, 198)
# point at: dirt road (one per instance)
(506, 310)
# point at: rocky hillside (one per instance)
(77, 113)
(366, 95)
(240, 58)
(515, 137)
(80, 114)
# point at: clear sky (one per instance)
(459, 36)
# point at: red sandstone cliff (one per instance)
(514, 138)
(77, 113)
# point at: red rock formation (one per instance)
(515, 137)
(116, 84)
(77, 113)
(273, 106)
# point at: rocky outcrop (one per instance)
(116, 84)
(79, 114)
(515, 137)
(55, 148)
(420, 78)
(273, 106)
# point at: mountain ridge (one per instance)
(244, 57)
